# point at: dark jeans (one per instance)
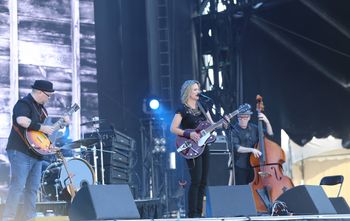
(244, 175)
(198, 169)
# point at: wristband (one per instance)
(34, 126)
(187, 134)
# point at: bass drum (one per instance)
(54, 179)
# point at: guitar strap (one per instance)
(21, 135)
(203, 111)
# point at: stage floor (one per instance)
(258, 218)
(58, 212)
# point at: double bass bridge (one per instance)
(264, 174)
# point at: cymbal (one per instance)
(90, 123)
(79, 143)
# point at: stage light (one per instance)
(162, 141)
(162, 149)
(154, 104)
(159, 145)
(151, 105)
(156, 141)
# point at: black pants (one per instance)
(243, 175)
(198, 169)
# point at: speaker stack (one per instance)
(118, 156)
(219, 155)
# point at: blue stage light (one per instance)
(154, 104)
(151, 105)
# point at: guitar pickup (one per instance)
(203, 133)
(184, 146)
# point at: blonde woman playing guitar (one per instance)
(189, 116)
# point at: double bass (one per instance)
(269, 182)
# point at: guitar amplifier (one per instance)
(114, 175)
(113, 138)
(117, 158)
(220, 144)
(121, 141)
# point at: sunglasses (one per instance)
(48, 95)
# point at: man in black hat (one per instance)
(244, 137)
(28, 113)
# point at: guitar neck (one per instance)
(58, 124)
(61, 122)
(220, 122)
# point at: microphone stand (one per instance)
(232, 166)
(232, 175)
(232, 181)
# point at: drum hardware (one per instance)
(56, 190)
(54, 178)
(93, 121)
(101, 158)
(95, 161)
(94, 154)
(78, 143)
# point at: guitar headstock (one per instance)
(244, 108)
(73, 109)
(259, 104)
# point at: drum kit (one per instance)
(75, 172)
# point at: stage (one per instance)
(306, 217)
(150, 210)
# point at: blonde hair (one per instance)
(186, 88)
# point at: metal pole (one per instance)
(101, 159)
(95, 162)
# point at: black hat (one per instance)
(247, 112)
(43, 85)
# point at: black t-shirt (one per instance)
(247, 137)
(191, 118)
(26, 107)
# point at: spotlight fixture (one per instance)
(159, 145)
(151, 105)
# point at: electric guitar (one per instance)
(39, 142)
(191, 149)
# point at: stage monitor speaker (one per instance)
(307, 200)
(219, 172)
(99, 202)
(229, 201)
(340, 205)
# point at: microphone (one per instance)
(204, 96)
